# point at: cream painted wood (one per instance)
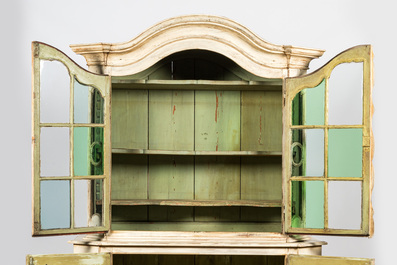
(213, 243)
(204, 32)
(314, 260)
(70, 259)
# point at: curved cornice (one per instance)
(216, 34)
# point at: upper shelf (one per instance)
(195, 84)
(206, 153)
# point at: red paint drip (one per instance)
(260, 127)
(216, 108)
(173, 111)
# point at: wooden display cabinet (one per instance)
(198, 143)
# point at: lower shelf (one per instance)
(198, 226)
(209, 203)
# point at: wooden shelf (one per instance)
(251, 203)
(196, 84)
(204, 153)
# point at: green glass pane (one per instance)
(307, 204)
(308, 106)
(88, 104)
(307, 152)
(345, 152)
(88, 151)
(55, 204)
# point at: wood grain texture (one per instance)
(314, 260)
(261, 178)
(70, 259)
(130, 119)
(217, 121)
(217, 178)
(171, 177)
(129, 177)
(261, 120)
(171, 120)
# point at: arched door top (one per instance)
(201, 32)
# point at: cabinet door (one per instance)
(328, 147)
(71, 145)
(315, 260)
(70, 259)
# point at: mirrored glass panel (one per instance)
(307, 204)
(54, 92)
(88, 104)
(88, 151)
(345, 94)
(55, 204)
(54, 151)
(345, 152)
(308, 106)
(344, 204)
(307, 152)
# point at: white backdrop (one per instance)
(331, 25)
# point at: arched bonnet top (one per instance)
(203, 32)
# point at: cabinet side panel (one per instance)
(261, 178)
(171, 120)
(261, 120)
(129, 119)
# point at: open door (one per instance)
(71, 145)
(70, 259)
(328, 146)
(315, 260)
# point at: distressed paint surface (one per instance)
(261, 120)
(70, 259)
(217, 121)
(130, 119)
(171, 120)
(316, 260)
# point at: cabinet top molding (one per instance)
(203, 32)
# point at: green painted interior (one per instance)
(201, 120)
